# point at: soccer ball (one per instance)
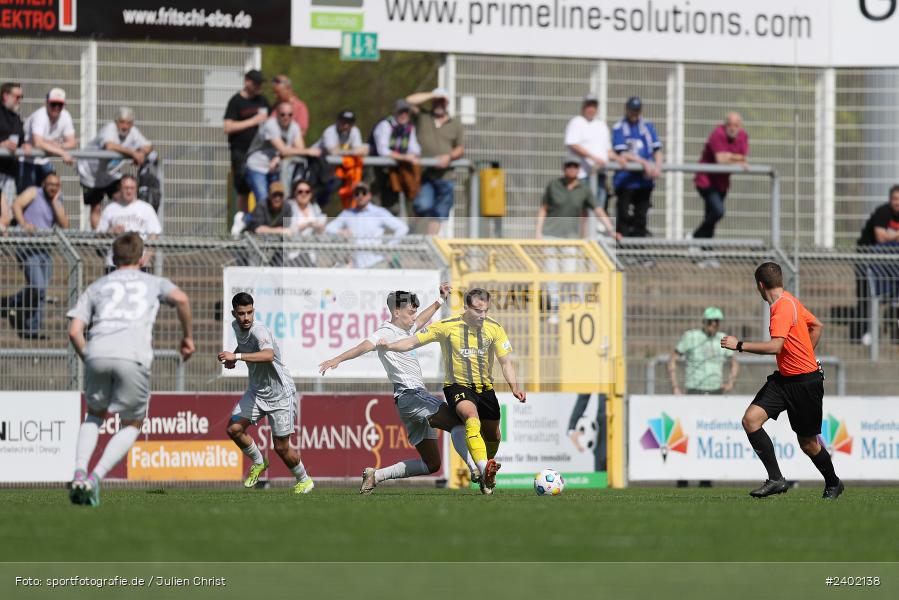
(549, 483)
(589, 430)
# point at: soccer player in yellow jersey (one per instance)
(469, 342)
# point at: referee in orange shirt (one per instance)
(797, 386)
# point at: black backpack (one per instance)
(149, 181)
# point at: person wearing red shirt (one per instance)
(797, 386)
(728, 144)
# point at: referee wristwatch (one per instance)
(739, 346)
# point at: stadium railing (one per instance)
(768, 361)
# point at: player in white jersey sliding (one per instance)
(271, 393)
(118, 312)
(419, 411)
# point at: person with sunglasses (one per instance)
(283, 89)
(705, 358)
(308, 218)
(366, 223)
(51, 129)
(12, 135)
(279, 137)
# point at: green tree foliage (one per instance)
(328, 85)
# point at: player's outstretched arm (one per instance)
(772, 346)
(425, 317)
(76, 336)
(182, 305)
(403, 345)
(508, 367)
(354, 352)
(264, 355)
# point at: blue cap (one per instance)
(634, 103)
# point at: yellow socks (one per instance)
(475, 442)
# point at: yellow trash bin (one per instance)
(493, 192)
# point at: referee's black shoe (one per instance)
(833, 492)
(771, 487)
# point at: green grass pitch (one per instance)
(423, 525)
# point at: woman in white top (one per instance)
(307, 220)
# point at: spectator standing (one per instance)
(36, 209)
(284, 93)
(246, 111)
(279, 137)
(728, 144)
(342, 138)
(100, 177)
(880, 235)
(12, 135)
(394, 137)
(705, 358)
(366, 222)
(587, 137)
(440, 137)
(634, 139)
(51, 129)
(130, 214)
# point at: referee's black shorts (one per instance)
(485, 401)
(800, 395)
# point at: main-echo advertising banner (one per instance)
(316, 314)
(552, 431)
(38, 433)
(701, 437)
(770, 32)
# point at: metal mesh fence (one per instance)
(669, 285)
(178, 92)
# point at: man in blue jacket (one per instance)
(635, 140)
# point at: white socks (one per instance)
(253, 452)
(88, 434)
(116, 450)
(457, 434)
(298, 471)
(401, 470)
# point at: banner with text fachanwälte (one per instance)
(38, 434)
(315, 314)
(702, 438)
(768, 32)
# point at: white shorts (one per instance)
(118, 386)
(415, 408)
(281, 413)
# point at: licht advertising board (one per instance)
(38, 434)
(701, 437)
(315, 314)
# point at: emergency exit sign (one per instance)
(359, 45)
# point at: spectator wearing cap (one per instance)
(12, 135)
(587, 137)
(283, 89)
(344, 139)
(394, 137)
(246, 111)
(279, 137)
(440, 137)
(51, 129)
(269, 218)
(634, 139)
(366, 222)
(728, 144)
(705, 358)
(100, 177)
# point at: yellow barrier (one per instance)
(561, 304)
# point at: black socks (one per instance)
(764, 448)
(824, 464)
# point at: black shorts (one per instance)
(486, 402)
(239, 171)
(94, 196)
(800, 395)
